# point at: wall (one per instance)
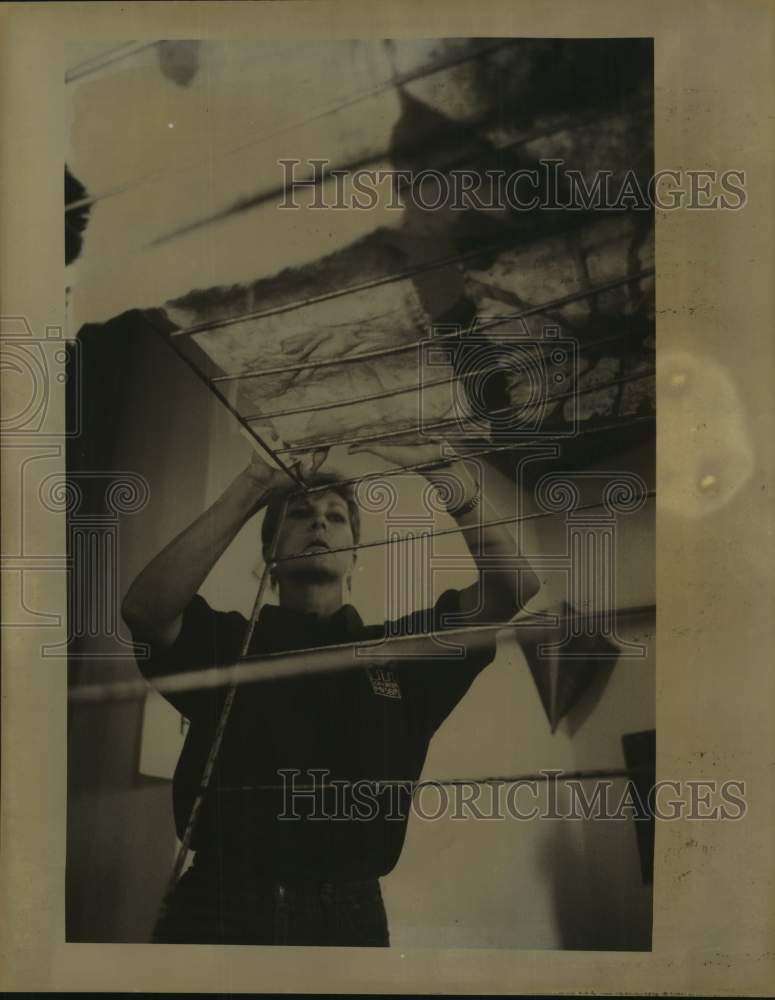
(120, 834)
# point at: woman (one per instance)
(309, 800)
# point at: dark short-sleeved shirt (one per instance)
(363, 731)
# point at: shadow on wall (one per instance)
(572, 870)
(120, 832)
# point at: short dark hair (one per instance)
(76, 219)
(331, 479)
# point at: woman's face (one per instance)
(314, 524)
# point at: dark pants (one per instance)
(209, 906)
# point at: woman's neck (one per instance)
(320, 599)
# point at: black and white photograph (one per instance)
(360, 495)
(387, 399)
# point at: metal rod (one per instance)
(185, 847)
(514, 519)
(576, 121)
(74, 75)
(385, 394)
(504, 242)
(550, 774)
(362, 286)
(98, 57)
(397, 470)
(413, 345)
(328, 659)
(256, 140)
(267, 195)
(234, 412)
(393, 83)
(450, 421)
(448, 379)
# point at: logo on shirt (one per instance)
(384, 682)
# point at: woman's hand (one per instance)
(267, 477)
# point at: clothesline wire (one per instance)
(361, 286)
(383, 394)
(257, 139)
(548, 775)
(490, 450)
(98, 57)
(269, 666)
(185, 846)
(407, 150)
(556, 303)
(512, 519)
(72, 75)
(292, 473)
(395, 82)
(515, 409)
(574, 121)
(503, 243)
(417, 387)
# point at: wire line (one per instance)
(461, 419)
(185, 846)
(413, 345)
(512, 446)
(514, 519)
(553, 774)
(260, 138)
(310, 661)
(73, 75)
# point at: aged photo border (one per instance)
(713, 890)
